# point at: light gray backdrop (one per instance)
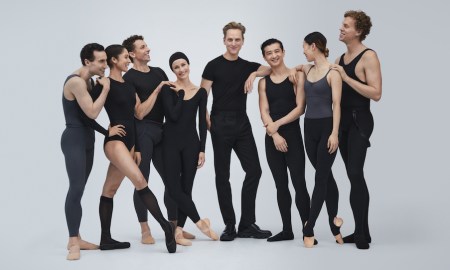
(406, 167)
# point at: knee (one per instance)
(355, 175)
(255, 172)
(75, 192)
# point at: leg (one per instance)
(119, 156)
(278, 167)
(145, 140)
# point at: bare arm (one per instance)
(207, 84)
(261, 72)
(264, 103)
(336, 91)
(372, 71)
(145, 107)
(78, 88)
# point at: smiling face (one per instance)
(181, 68)
(274, 54)
(98, 65)
(141, 51)
(233, 41)
(347, 31)
(122, 61)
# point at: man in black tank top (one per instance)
(148, 82)
(77, 141)
(361, 81)
(231, 130)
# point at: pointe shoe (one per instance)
(188, 235)
(338, 223)
(147, 238)
(308, 241)
(179, 238)
(74, 253)
(207, 229)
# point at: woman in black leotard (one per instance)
(183, 152)
(123, 153)
(323, 96)
(77, 140)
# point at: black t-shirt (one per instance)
(145, 83)
(228, 79)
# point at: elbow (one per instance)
(139, 115)
(92, 115)
(377, 97)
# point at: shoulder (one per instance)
(369, 56)
(202, 92)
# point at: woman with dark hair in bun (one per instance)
(123, 153)
(183, 150)
(323, 96)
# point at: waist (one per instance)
(228, 112)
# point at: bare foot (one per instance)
(74, 253)
(147, 238)
(179, 238)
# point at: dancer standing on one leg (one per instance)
(123, 153)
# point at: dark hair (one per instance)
(320, 41)
(269, 42)
(362, 22)
(176, 56)
(88, 52)
(233, 25)
(113, 51)
(129, 43)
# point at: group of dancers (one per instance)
(154, 119)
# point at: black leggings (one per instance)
(356, 128)
(279, 162)
(77, 145)
(180, 158)
(150, 136)
(317, 132)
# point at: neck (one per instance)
(354, 46)
(280, 70)
(141, 66)
(321, 61)
(84, 73)
(230, 57)
(185, 84)
(116, 74)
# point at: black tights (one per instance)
(356, 128)
(317, 132)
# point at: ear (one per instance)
(132, 54)
(86, 62)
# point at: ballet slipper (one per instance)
(74, 253)
(338, 223)
(179, 238)
(205, 228)
(188, 235)
(147, 238)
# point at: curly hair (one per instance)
(362, 22)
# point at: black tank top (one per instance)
(72, 110)
(281, 98)
(318, 98)
(350, 98)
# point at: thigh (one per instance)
(245, 147)
(189, 166)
